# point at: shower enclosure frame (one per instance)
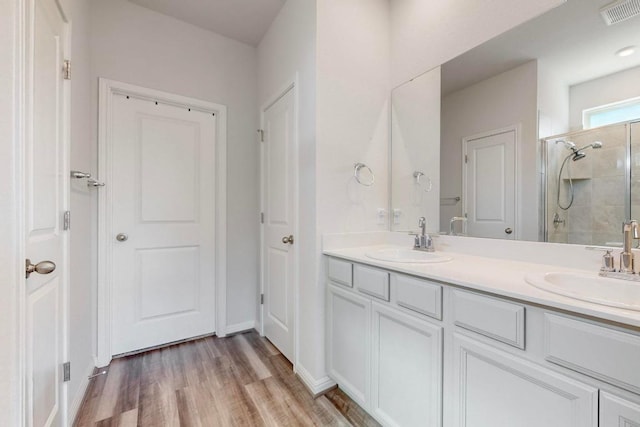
(544, 173)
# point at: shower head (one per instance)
(579, 154)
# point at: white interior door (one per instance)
(162, 223)
(45, 202)
(489, 187)
(279, 223)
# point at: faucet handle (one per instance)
(608, 262)
(631, 227)
(635, 231)
(422, 221)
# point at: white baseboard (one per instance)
(240, 327)
(74, 405)
(315, 386)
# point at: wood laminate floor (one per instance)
(236, 381)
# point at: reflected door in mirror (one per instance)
(489, 184)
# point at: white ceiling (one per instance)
(243, 20)
(571, 40)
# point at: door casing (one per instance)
(108, 88)
(291, 85)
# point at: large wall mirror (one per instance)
(535, 135)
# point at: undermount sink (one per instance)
(590, 287)
(407, 256)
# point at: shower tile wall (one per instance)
(598, 208)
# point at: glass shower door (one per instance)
(588, 201)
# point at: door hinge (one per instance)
(466, 159)
(261, 299)
(66, 371)
(261, 132)
(66, 69)
(261, 217)
(66, 221)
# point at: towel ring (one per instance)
(356, 174)
(417, 175)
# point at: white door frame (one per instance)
(108, 89)
(291, 85)
(517, 129)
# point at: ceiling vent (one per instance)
(619, 11)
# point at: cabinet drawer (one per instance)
(600, 352)
(497, 319)
(371, 281)
(418, 295)
(340, 272)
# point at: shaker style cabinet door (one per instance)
(618, 412)
(406, 384)
(493, 388)
(348, 343)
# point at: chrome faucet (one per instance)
(453, 221)
(630, 231)
(423, 242)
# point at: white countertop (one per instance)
(496, 276)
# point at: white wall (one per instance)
(287, 49)
(135, 45)
(352, 124)
(83, 210)
(426, 34)
(10, 257)
(510, 98)
(553, 102)
(604, 90)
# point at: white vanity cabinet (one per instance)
(493, 388)
(388, 361)
(416, 352)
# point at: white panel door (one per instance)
(406, 385)
(45, 202)
(279, 223)
(163, 219)
(493, 388)
(489, 187)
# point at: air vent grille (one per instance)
(620, 11)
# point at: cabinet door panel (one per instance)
(493, 388)
(348, 343)
(407, 369)
(618, 412)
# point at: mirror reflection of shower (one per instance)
(575, 155)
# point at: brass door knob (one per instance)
(43, 267)
(508, 230)
(288, 239)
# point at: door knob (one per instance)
(121, 237)
(288, 239)
(508, 230)
(43, 267)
